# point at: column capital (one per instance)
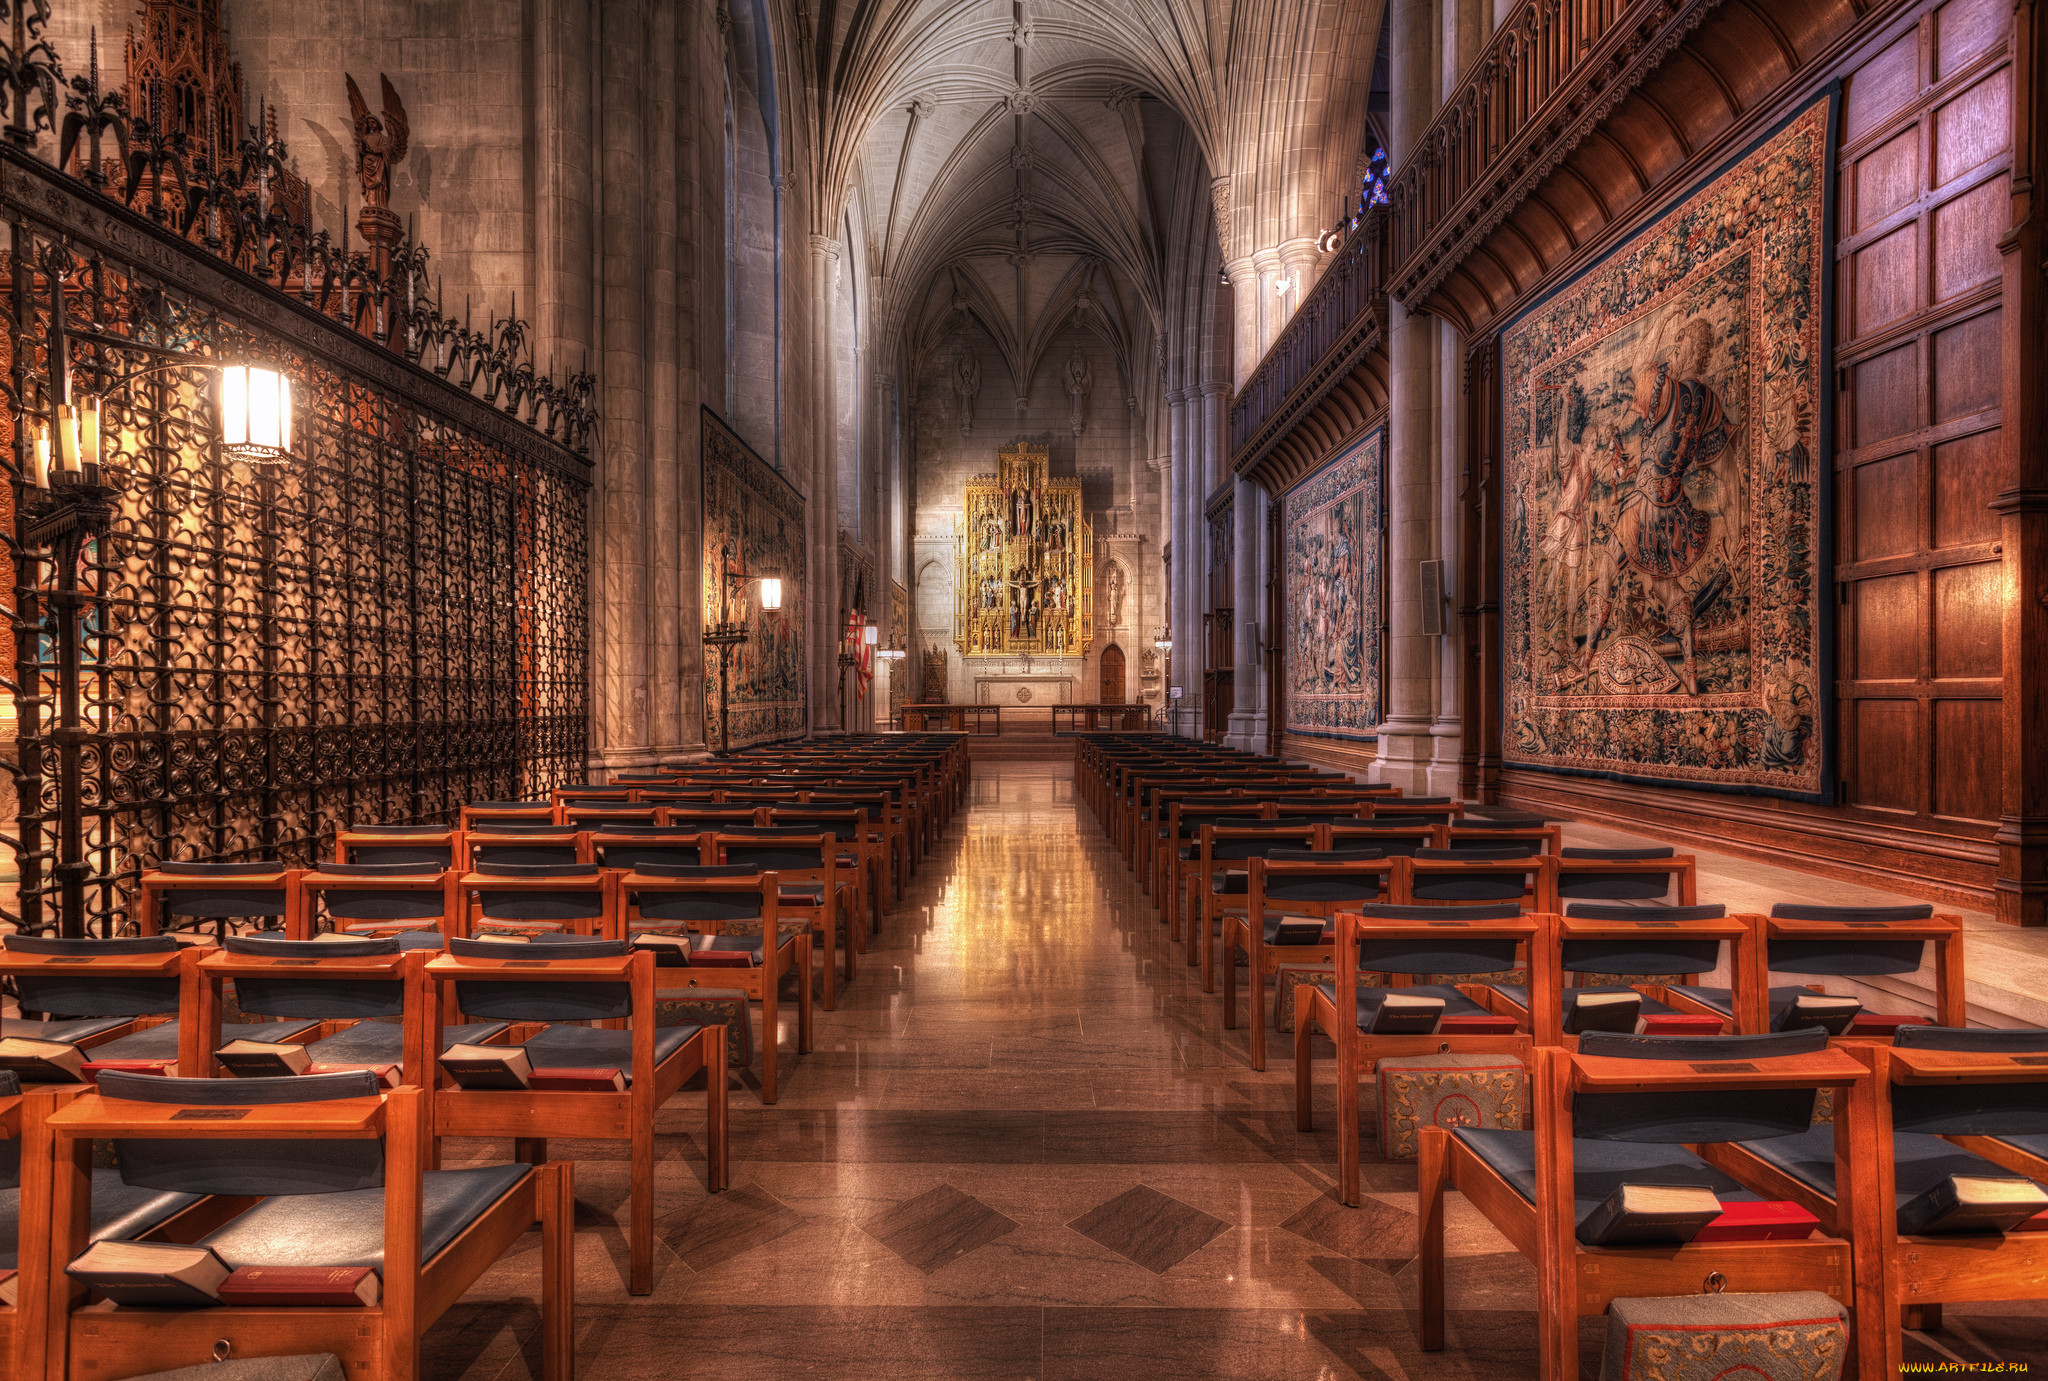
(825, 246)
(1216, 388)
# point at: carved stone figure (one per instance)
(380, 144)
(1078, 380)
(966, 388)
(1113, 594)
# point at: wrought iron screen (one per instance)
(388, 625)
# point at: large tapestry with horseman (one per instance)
(1330, 549)
(1664, 613)
(753, 527)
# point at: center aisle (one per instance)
(1024, 1147)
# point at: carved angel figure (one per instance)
(1078, 380)
(966, 387)
(380, 144)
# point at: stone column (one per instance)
(664, 361)
(1406, 747)
(1247, 729)
(1300, 261)
(1272, 307)
(824, 490)
(1183, 464)
(622, 246)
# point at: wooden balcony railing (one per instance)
(1553, 69)
(1339, 320)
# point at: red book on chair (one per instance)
(288, 1286)
(1877, 1024)
(578, 1079)
(2037, 1223)
(1680, 1024)
(1760, 1222)
(1476, 1024)
(92, 1069)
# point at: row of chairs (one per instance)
(1517, 966)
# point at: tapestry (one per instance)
(1664, 614)
(754, 526)
(1330, 540)
(1025, 561)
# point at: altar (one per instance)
(1026, 698)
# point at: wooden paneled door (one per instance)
(1925, 194)
(1112, 675)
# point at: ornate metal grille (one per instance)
(388, 626)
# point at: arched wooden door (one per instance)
(1112, 675)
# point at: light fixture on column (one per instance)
(1283, 286)
(871, 635)
(771, 593)
(256, 413)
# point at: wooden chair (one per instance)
(539, 898)
(1646, 947)
(810, 881)
(351, 989)
(1218, 878)
(545, 989)
(1432, 877)
(892, 838)
(860, 844)
(354, 1191)
(606, 815)
(1408, 941)
(1477, 830)
(1855, 942)
(121, 1000)
(1292, 882)
(1438, 810)
(398, 844)
(1173, 852)
(488, 813)
(525, 842)
(1391, 837)
(615, 793)
(119, 1213)
(1611, 875)
(623, 850)
(730, 909)
(379, 899)
(186, 896)
(1636, 1109)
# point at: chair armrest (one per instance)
(95, 1115)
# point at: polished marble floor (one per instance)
(1024, 1147)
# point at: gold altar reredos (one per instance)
(1026, 561)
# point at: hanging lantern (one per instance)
(771, 593)
(256, 413)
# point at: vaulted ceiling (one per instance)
(1029, 163)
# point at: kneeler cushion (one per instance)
(1447, 1090)
(725, 1007)
(1798, 1336)
(318, 1366)
(1292, 976)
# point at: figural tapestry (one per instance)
(754, 525)
(1330, 525)
(1664, 612)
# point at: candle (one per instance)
(67, 438)
(42, 455)
(89, 433)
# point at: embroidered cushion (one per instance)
(1801, 1336)
(1448, 1090)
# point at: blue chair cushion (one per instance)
(161, 1042)
(2032, 1145)
(74, 1031)
(383, 1042)
(1518, 994)
(347, 1229)
(591, 1047)
(1598, 1167)
(1456, 1004)
(119, 1212)
(1921, 1161)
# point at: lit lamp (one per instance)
(256, 413)
(771, 593)
(871, 635)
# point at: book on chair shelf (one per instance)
(488, 1066)
(1883, 1024)
(1299, 930)
(388, 1075)
(1406, 1014)
(151, 1273)
(1603, 1012)
(42, 1062)
(1678, 1024)
(1831, 1014)
(263, 1059)
(92, 1069)
(296, 1286)
(578, 1079)
(1476, 1024)
(1650, 1215)
(1972, 1203)
(1769, 1221)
